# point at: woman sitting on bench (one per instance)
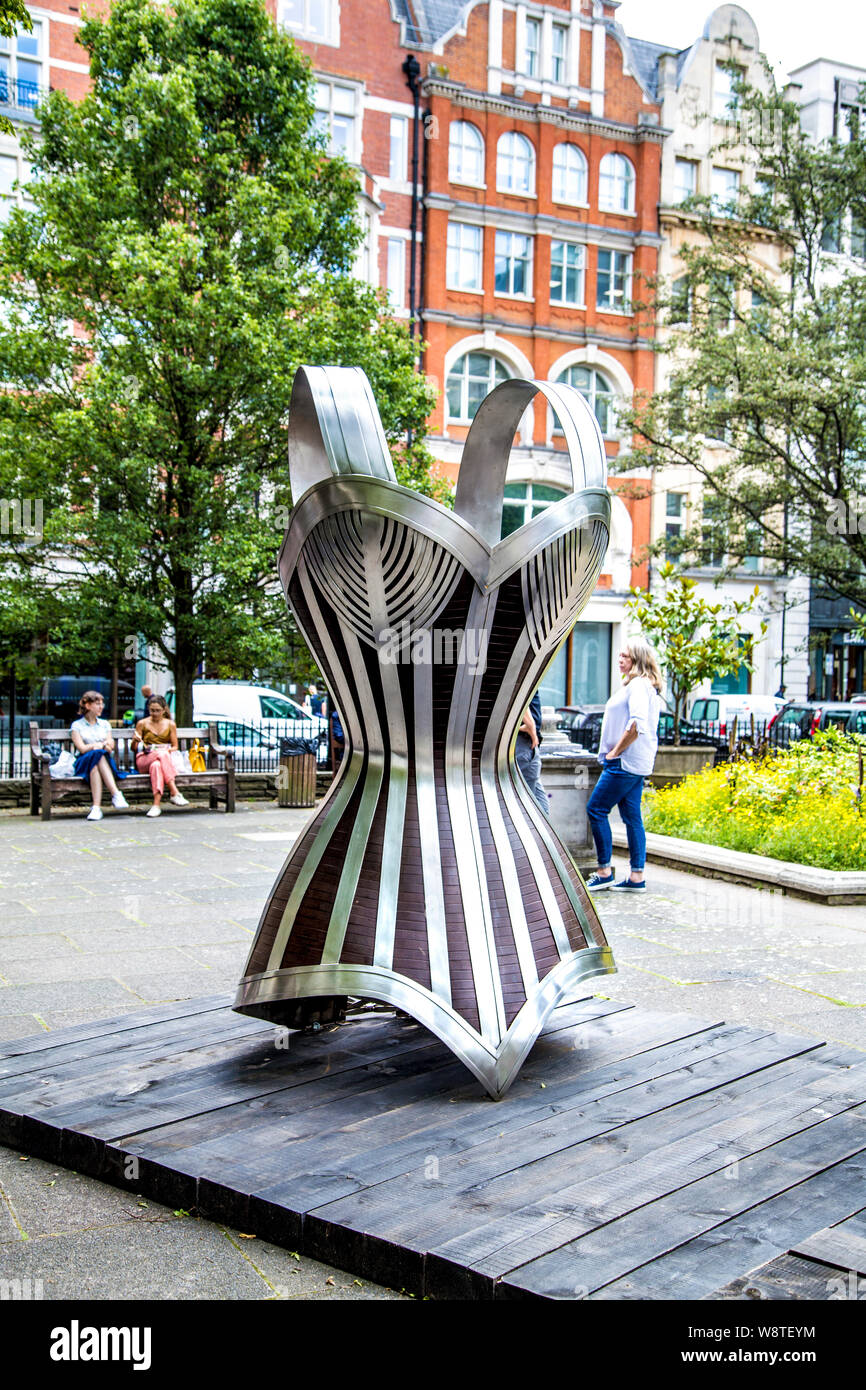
(158, 734)
(94, 746)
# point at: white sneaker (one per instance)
(155, 811)
(120, 801)
(179, 800)
(95, 813)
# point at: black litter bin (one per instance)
(296, 779)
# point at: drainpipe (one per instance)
(412, 70)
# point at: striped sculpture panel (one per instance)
(428, 878)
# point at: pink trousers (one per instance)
(159, 764)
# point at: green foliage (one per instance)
(766, 373)
(802, 805)
(191, 227)
(695, 640)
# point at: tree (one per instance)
(695, 640)
(190, 248)
(766, 393)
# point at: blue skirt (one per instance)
(84, 762)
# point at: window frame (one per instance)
(579, 303)
(458, 251)
(395, 275)
(531, 505)
(725, 209)
(512, 260)
(679, 196)
(563, 167)
(459, 176)
(398, 168)
(627, 178)
(557, 58)
(305, 31)
(609, 393)
(510, 159)
(11, 79)
(351, 154)
(613, 272)
(531, 57)
(493, 380)
(732, 100)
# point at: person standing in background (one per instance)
(627, 752)
(527, 752)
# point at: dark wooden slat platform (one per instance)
(638, 1155)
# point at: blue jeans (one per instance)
(623, 789)
(528, 760)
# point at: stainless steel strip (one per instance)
(394, 719)
(354, 765)
(502, 843)
(467, 840)
(375, 772)
(428, 829)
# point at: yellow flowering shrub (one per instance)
(802, 805)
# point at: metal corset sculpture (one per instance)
(428, 878)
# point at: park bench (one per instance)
(45, 790)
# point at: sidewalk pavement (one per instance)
(100, 918)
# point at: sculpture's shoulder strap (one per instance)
(334, 428)
(481, 481)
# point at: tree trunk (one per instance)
(13, 695)
(112, 699)
(185, 669)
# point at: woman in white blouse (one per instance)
(94, 746)
(627, 751)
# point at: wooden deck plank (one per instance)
(395, 1131)
(15, 1052)
(705, 1262)
(608, 1134)
(788, 1277)
(602, 1172)
(842, 1244)
(594, 1260)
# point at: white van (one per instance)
(270, 713)
(716, 713)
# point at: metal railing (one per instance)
(20, 95)
(742, 737)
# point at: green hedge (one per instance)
(801, 805)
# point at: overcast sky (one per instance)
(791, 31)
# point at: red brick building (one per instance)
(535, 203)
(539, 153)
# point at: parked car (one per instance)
(258, 706)
(857, 720)
(690, 733)
(254, 751)
(585, 728)
(60, 696)
(716, 713)
(804, 718)
(567, 714)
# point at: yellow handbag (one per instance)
(196, 758)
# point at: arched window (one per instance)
(465, 153)
(469, 381)
(616, 184)
(524, 501)
(569, 174)
(515, 164)
(598, 394)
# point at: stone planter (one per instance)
(568, 775)
(673, 763)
